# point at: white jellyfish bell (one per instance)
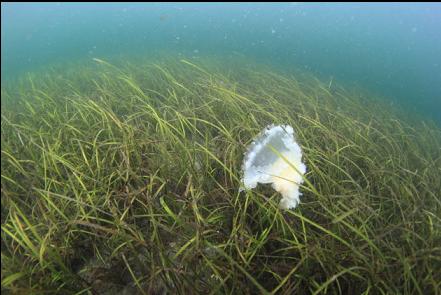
(275, 157)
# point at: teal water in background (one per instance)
(390, 49)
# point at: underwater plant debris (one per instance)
(275, 157)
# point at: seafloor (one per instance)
(123, 177)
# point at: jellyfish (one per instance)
(274, 157)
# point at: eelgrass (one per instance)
(120, 177)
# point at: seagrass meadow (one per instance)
(123, 177)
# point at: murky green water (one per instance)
(391, 50)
